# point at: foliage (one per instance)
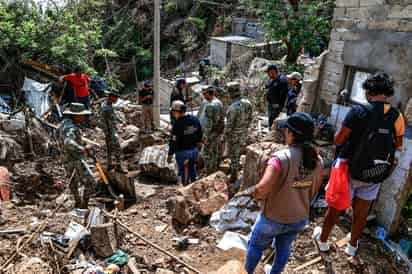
(302, 25)
(52, 37)
(199, 23)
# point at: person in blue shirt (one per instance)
(294, 88)
(185, 137)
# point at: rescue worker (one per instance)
(212, 120)
(294, 88)
(277, 91)
(146, 100)
(109, 122)
(238, 120)
(75, 152)
(80, 83)
(179, 93)
(186, 135)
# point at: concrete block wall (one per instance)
(374, 35)
(354, 18)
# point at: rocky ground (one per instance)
(39, 182)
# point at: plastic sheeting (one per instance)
(239, 213)
(37, 96)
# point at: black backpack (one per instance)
(374, 157)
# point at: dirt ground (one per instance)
(151, 214)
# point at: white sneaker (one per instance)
(351, 250)
(267, 268)
(323, 246)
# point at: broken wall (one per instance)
(370, 36)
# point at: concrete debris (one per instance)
(153, 163)
(131, 142)
(104, 239)
(256, 159)
(239, 213)
(408, 112)
(33, 265)
(233, 240)
(179, 210)
(163, 271)
(208, 194)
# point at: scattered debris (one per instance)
(233, 240)
(104, 239)
(239, 213)
(153, 163)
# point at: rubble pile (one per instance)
(153, 163)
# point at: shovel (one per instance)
(103, 176)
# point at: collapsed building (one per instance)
(368, 36)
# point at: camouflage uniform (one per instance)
(239, 118)
(108, 124)
(74, 159)
(212, 120)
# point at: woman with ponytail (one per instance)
(291, 180)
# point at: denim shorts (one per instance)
(364, 191)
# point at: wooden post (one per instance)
(156, 65)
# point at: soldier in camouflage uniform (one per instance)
(239, 118)
(212, 120)
(75, 153)
(108, 124)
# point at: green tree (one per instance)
(298, 24)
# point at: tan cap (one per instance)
(178, 106)
(295, 75)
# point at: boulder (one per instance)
(256, 159)
(153, 163)
(131, 143)
(179, 209)
(208, 194)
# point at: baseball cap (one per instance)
(295, 75)
(178, 106)
(299, 123)
(208, 88)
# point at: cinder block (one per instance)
(364, 3)
(347, 3)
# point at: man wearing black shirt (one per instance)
(146, 99)
(277, 91)
(186, 135)
(179, 93)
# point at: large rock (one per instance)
(153, 163)
(131, 139)
(208, 194)
(179, 209)
(256, 159)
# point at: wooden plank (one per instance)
(132, 266)
(309, 263)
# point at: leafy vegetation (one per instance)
(298, 24)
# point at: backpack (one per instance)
(373, 159)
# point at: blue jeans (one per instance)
(263, 233)
(191, 156)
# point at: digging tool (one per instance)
(103, 176)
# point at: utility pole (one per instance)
(156, 64)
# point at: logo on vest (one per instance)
(302, 184)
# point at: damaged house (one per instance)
(369, 36)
